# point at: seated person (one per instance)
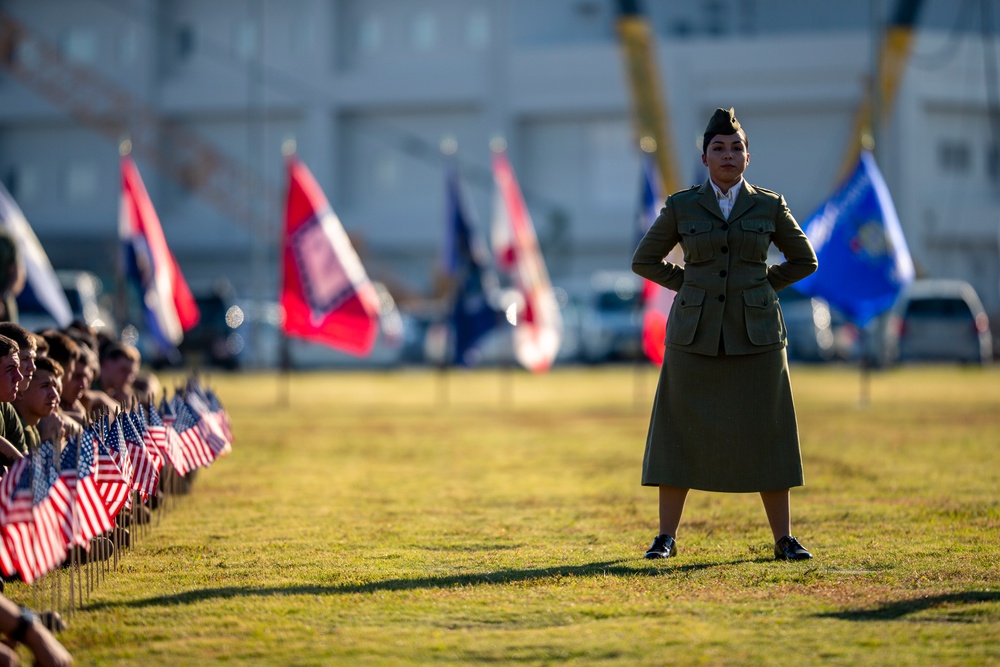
(146, 387)
(21, 626)
(119, 366)
(75, 386)
(27, 344)
(12, 444)
(38, 405)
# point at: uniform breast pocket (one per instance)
(695, 241)
(756, 239)
(765, 325)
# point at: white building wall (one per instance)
(369, 88)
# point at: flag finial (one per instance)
(125, 147)
(288, 147)
(498, 144)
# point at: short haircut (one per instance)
(49, 364)
(41, 345)
(82, 337)
(87, 357)
(25, 339)
(117, 350)
(7, 346)
(62, 348)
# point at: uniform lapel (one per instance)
(744, 201)
(709, 201)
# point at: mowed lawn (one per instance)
(494, 517)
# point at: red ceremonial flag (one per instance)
(170, 308)
(656, 299)
(538, 323)
(326, 294)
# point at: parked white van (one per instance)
(939, 320)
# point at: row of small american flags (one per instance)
(52, 501)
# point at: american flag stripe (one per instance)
(89, 509)
(196, 450)
(19, 543)
(146, 473)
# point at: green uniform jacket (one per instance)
(725, 289)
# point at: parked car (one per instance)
(611, 321)
(262, 346)
(87, 301)
(809, 325)
(939, 320)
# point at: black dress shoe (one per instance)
(663, 546)
(788, 548)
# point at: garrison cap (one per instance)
(723, 122)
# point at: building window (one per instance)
(612, 163)
(22, 184)
(303, 33)
(993, 164)
(423, 32)
(128, 46)
(477, 30)
(245, 40)
(954, 156)
(81, 182)
(370, 35)
(184, 41)
(386, 176)
(80, 45)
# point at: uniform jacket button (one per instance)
(722, 297)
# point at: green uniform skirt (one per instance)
(724, 423)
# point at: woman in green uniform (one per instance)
(723, 417)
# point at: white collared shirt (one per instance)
(727, 200)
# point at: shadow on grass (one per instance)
(614, 568)
(895, 610)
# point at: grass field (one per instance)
(489, 517)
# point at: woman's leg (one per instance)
(779, 515)
(671, 507)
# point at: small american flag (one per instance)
(211, 430)
(141, 427)
(15, 507)
(165, 441)
(111, 483)
(115, 441)
(196, 450)
(146, 473)
(20, 522)
(51, 511)
(216, 407)
(77, 469)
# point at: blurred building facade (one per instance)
(368, 90)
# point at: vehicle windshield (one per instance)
(938, 308)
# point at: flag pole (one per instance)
(865, 390)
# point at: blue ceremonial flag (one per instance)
(465, 259)
(864, 262)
